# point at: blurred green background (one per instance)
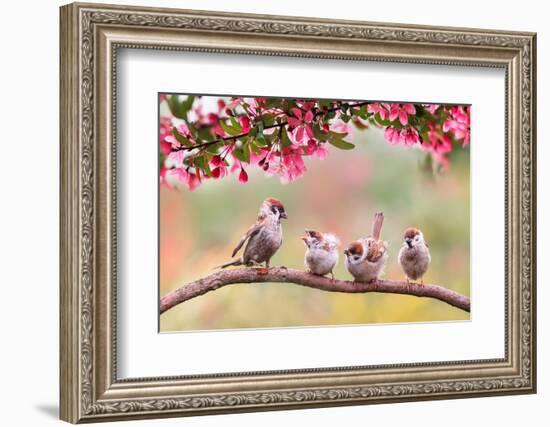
(199, 229)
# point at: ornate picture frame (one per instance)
(90, 37)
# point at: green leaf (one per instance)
(340, 143)
(260, 141)
(202, 163)
(381, 121)
(339, 135)
(285, 139)
(181, 139)
(337, 139)
(319, 134)
(273, 102)
(230, 130)
(324, 103)
(254, 147)
(188, 103)
(243, 153)
(246, 152)
(179, 108)
(214, 148)
(345, 118)
(204, 134)
(360, 112)
(234, 123)
(270, 137)
(268, 120)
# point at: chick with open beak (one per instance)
(322, 252)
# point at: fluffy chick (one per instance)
(322, 252)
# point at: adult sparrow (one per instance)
(264, 238)
(366, 258)
(322, 252)
(414, 256)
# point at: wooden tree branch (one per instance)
(281, 274)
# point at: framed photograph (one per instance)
(267, 212)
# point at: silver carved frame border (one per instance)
(90, 37)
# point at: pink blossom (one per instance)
(253, 106)
(380, 109)
(216, 160)
(306, 105)
(258, 102)
(392, 135)
(214, 121)
(407, 136)
(293, 165)
(410, 136)
(163, 176)
(289, 166)
(165, 130)
(339, 125)
(438, 142)
(243, 176)
(459, 124)
(219, 167)
(182, 129)
(316, 148)
(244, 121)
(176, 158)
(432, 107)
(183, 176)
(401, 111)
(233, 103)
(301, 123)
(200, 116)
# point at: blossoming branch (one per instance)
(275, 134)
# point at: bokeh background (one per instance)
(199, 229)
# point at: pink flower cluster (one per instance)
(276, 134)
(393, 111)
(459, 124)
(407, 136)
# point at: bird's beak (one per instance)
(283, 215)
(408, 242)
(304, 239)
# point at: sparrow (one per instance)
(366, 258)
(264, 238)
(322, 252)
(414, 256)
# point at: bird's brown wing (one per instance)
(251, 232)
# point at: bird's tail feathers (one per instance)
(377, 225)
(233, 262)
